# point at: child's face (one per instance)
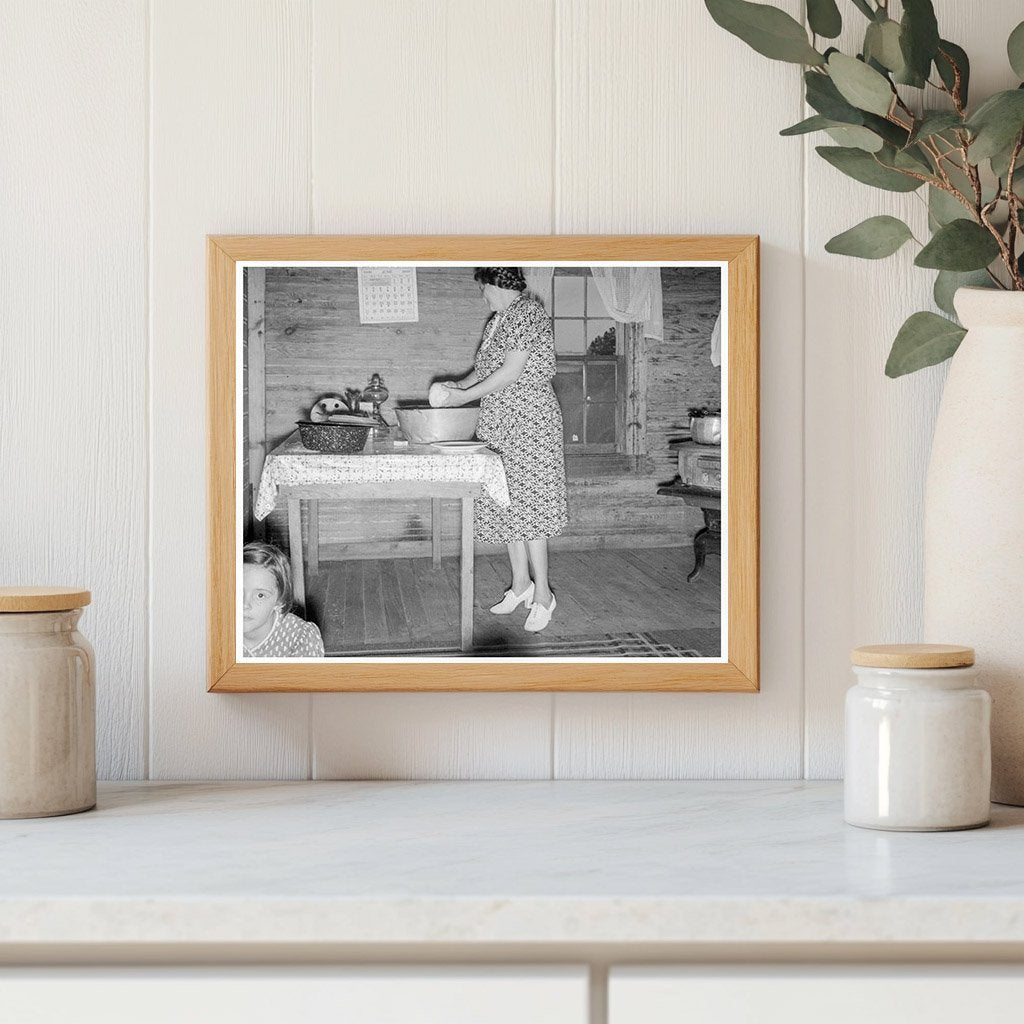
(260, 596)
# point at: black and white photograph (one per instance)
(442, 461)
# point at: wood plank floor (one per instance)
(407, 605)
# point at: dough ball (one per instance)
(437, 396)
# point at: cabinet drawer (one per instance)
(788, 995)
(386, 995)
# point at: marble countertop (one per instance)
(500, 862)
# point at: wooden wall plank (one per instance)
(665, 124)
(73, 320)
(230, 149)
(432, 117)
(868, 437)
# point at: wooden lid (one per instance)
(42, 599)
(913, 656)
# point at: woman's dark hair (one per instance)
(276, 561)
(501, 277)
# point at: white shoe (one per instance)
(510, 602)
(539, 616)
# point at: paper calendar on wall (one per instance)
(387, 295)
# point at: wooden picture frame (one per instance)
(737, 671)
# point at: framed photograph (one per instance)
(483, 463)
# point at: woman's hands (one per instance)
(445, 395)
(448, 394)
(453, 396)
(507, 373)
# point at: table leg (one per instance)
(295, 550)
(435, 530)
(700, 551)
(466, 589)
(313, 541)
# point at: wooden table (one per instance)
(411, 473)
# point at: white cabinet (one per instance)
(281, 995)
(812, 995)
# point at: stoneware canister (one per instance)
(47, 704)
(918, 746)
(974, 516)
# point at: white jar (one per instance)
(47, 704)
(918, 749)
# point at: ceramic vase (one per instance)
(47, 715)
(974, 517)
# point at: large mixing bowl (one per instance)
(422, 425)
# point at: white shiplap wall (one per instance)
(73, 332)
(132, 129)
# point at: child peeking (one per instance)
(270, 629)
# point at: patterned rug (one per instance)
(695, 643)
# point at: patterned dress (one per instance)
(291, 637)
(523, 423)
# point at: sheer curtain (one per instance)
(630, 294)
(538, 283)
(716, 342)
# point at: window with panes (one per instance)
(589, 365)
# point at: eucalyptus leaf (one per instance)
(1015, 50)
(959, 180)
(824, 18)
(926, 339)
(864, 167)
(817, 123)
(934, 122)
(949, 55)
(959, 245)
(872, 239)
(769, 31)
(912, 158)
(944, 208)
(892, 133)
(856, 136)
(860, 85)
(919, 39)
(948, 281)
(825, 98)
(1000, 161)
(996, 124)
(882, 44)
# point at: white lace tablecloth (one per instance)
(290, 463)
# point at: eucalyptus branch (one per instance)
(934, 182)
(958, 79)
(980, 237)
(1013, 202)
(932, 150)
(971, 170)
(995, 280)
(1008, 260)
(948, 154)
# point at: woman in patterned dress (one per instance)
(520, 418)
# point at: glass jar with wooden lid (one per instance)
(918, 750)
(47, 704)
